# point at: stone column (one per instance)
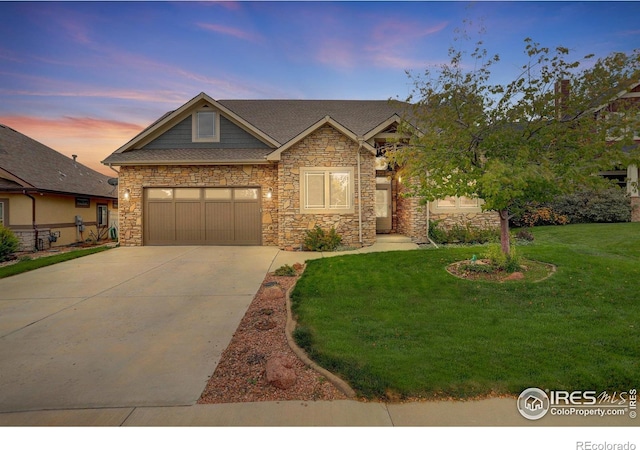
(632, 190)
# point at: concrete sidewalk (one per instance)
(500, 412)
(384, 243)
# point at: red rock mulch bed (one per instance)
(241, 373)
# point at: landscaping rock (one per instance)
(515, 276)
(273, 292)
(280, 373)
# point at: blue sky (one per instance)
(85, 77)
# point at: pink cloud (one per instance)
(148, 96)
(90, 138)
(68, 125)
(393, 31)
(76, 28)
(230, 31)
(391, 43)
(338, 53)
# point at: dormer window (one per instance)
(205, 125)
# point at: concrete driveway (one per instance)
(138, 326)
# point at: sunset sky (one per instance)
(84, 78)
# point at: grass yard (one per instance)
(397, 325)
(32, 264)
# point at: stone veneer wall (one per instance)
(326, 147)
(483, 219)
(136, 178)
(27, 239)
(412, 217)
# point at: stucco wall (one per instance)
(54, 213)
(326, 147)
(137, 178)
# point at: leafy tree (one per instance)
(548, 131)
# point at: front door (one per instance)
(383, 208)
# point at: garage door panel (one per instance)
(161, 216)
(247, 222)
(197, 216)
(188, 221)
(219, 222)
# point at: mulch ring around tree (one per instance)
(481, 270)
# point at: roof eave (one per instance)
(187, 162)
(34, 190)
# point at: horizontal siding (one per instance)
(232, 136)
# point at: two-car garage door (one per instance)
(202, 216)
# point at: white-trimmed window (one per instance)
(3, 220)
(326, 190)
(458, 203)
(205, 125)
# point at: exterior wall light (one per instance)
(127, 194)
(269, 192)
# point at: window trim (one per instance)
(83, 202)
(100, 206)
(326, 171)
(4, 215)
(216, 126)
(458, 206)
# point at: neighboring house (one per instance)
(626, 177)
(263, 172)
(48, 199)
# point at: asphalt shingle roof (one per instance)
(285, 119)
(46, 169)
(281, 120)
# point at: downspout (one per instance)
(360, 143)
(33, 217)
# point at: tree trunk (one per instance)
(504, 232)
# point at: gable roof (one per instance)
(27, 164)
(285, 119)
(277, 123)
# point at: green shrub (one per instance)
(318, 240)
(585, 206)
(285, 271)
(437, 234)
(497, 258)
(9, 243)
(588, 206)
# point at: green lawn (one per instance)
(32, 264)
(398, 325)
